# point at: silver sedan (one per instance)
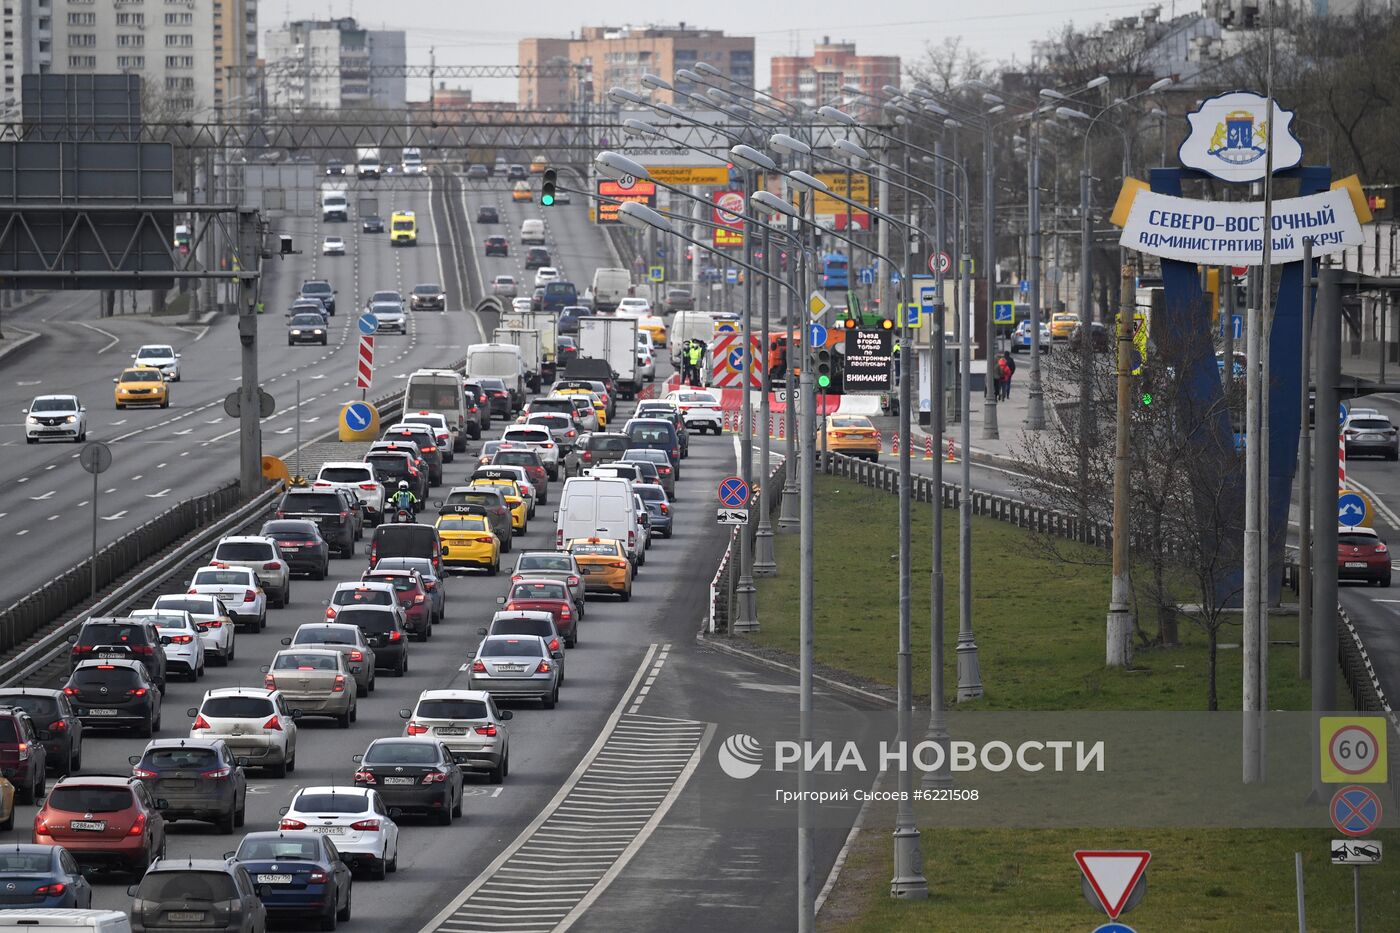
(515, 667)
(552, 565)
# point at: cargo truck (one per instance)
(546, 323)
(529, 343)
(613, 340)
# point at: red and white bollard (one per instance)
(894, 444)
(928, 446)
(952, 451)
(1341, 461)
(879, 439)
(782, 429)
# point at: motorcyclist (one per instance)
(404, 499)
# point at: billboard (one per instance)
(642, 192)
(728, 205)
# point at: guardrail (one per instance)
(1367, 695)
(726, 578)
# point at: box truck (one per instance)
(613, 340)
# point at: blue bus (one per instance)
(835, 271)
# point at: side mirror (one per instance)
(162, 803)
(500, 600)
(481, 632)
(556, 516)
(131, 890)
(192, 712)
(395, 813)
(229, 855)
(283, 811)
(324, 602)
(296, 714)
(357, 759)
(72, 639)
(446, 549)
(287, 640)
(506, 715)
(265, 668)
(242, 762)
(134, 759)
(405, 713)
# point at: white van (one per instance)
(592, 505)
(440, 391)
(65, 920)
(610, 286)
(532, 232)
(502, 361)
(689, 325)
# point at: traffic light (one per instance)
(849, 323)
(887, 324)
(824, 367)
(547, 188)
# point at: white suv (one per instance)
(541, 439)
(254, 723)
(699, 409)
(215, 623)
(55, 416)
(161, 356)
(469, 724)
(359, 478)
(238, 589)
(263, 557)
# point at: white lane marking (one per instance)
(30, 382)
(184, 432)
(1391, 518)
(50, 467)
(285, 430)
(214, 420)
(80, 505)
(158, 495)
(46, 495)
(115, 423)
(22, 531)
(137, 476)
(160, 466)
(108, 334)
(51, 518)
(22, 479)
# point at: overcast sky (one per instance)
(473, 32)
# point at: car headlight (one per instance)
(296, 333)
(30, 419)
(71, 419)
(317, 333)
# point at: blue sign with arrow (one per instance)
(1342, 417)
(368, 323)
(1351, 510)
(1114, 927)
(358, 416)
(816, 335)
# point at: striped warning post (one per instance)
(928, 446)
(879, 439)
(365, 369)
(894, 444)
(952, 451)
(1341, 461)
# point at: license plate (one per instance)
(329, 830)
(92, 826)
(101, 712)
(510, 668)
(290, 547)
(177, 785)
(111, 654)
(398, 780)
(186, 916)
(1356, 563)
(274, 879)
(442, 731)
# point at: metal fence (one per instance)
(726, 578)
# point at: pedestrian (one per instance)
(1007, 367)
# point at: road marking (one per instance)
(1390, 517)
(286, 430)
(160, 466)
(113, 489)
(184, 432)
(51, 518)
(23, 531)
(158, 495)
(50, 467)
(651, 678)
(122, 421)
(108, 334)
(30, 382)
(215, 420)
(80, 505)
(137, 476)
(46, 495)
(22, 479)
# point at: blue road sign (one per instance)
(656, 274)
(1003, 312)
(736, 359)
(816, 335)
(368, 324)
(731, 276)
(865, 275)
(1342, 416)
(927, 298)
(1355, 810)
(1237, 326)
(357, 416)
(1114, 928)
(912, 314)
(1025, 286)
(733, 492)
(1351, 510)
(661, 252)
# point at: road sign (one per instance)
(95, 457)
(364, 368)
(358, 415)
(1342, 415)
(1351, 509)
(1025, 286)
(727, 361)
(1003, 312)
(656, 274)
(780, 395)
(733, 492)
(865, 275)
(1114, 876)
(1114, 927)
(359, 421)
(912, 314)
(368, 323)
(1356, 851)
(928, 298)
(234, 408)
(817, 304)
(732, 516)
(727, 327)
(1237, 326)
(1355, 810)
(731, 276)
(816, 335)
(940, 262)
(1239, 272)
(1353, 749)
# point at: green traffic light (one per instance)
(823, 381)
(546, 199)
(1147, 398)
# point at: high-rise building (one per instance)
(605, 56)
(334, 65)
(817, 79)
(235, 51)
(28, 28)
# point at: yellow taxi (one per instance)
(467, 540)
(142, 385)
(598, 407)
(522, 192)
(7, 803)
(538, 165)
(605, 566)
(515, 500)
(655, 327)
(852, 435)
(1062, 325)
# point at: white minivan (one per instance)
(502, 361)
(598, 506)
(610, 286)
(440, 391)
(532, 232)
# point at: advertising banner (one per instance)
(726, 204)
(628, 189)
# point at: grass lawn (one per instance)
(1039, 625)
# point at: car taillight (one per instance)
(181, 639)
(58, 725)
(620, 564)
(357, 655)
(488, 729)
(249, 596)
(554, 644)
(316, 877)
(344, 514)
(570, 433)
(273, 723)
(435, 777)
(51, 890)
(548, 446)
(544, 668)
(478, 667)
(368, 826)
(416, 728)
(41, 825)
(79, 649)
(191, 592)
(215, 623)
(1380, 549)
(663, 469)
(23, 751)
(143, 773)
(288, 823)
(199, 723)
(364, 777)
(429, 450)
(269, 682)
(665, 509)
(142, 649)
(486, 540)
(559, 537)
(339, 683)
(271, 565)
(587, 456)
(322, 483)
(566, 613)
(217, 774)
(369, 487)
(281, 514)
(136, 692)
(631, 539)
(396, 636)
(138, 826)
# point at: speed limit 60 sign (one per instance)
(1353, 749)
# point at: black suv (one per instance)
(327, 509)
(497, 246)
(536, 257)
(199, 779)
(372, 224)
(109, 639)
(60, 729)
(477, 395)
(487, 215)
(427, 447)
(428, 296)
(320, 288)
(23, 758)
(115, 694)
(383, 628)
(220, 889)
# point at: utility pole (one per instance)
(764, 561)
(1086, 321)
(1119, 650)
(990, 429)
(1305, 583)
(747, 615)
(806, 867)
(250, 479)
(1035, 412)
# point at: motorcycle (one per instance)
(404, 517)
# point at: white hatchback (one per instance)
(700, 409)
(254, 723)
(634, 307)
(355, 818)
(546, 274)
(185, 652)
(541, 439)
(216, 629)
(238, 589)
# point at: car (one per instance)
(658, 506)
(324, 506)
(569, 318)
(561, 427)
(55, 416)
(655, 327)
(258, 724)
(298, 874)
(634, 306)
(103, 821)
(307, 328)
(504, 286)
(179, 635)
(521, 464)
(544, 275)
(469, 724)
(359, 479)
(23, 757)
(1371, 435)
(1362, 554)
(479, 404)
(498, 396)
(384, 631)
(360, 593)
(561, 196)
(176, 894)
(414, 774)
(262, 556)
(496, 246)
(486, 214)
(41, 876)
(538, 164)
(372, 224)
(538, 594)
(356, 818)
(161, 356)
(141, 385)
(606, 392)
(646, 364)
(1062, 325)
(514, 499)
(646, 470)
(413, 599)
(654, 434)
(108, 638)
(428, 296)
(589, 417)
(438, 427)
(405, 539)
(478, 173)
(333, 246)
(238, 589)
(852, 435)
(198, 779)
(394, 465)
(553, 565)
(605, 564)
(515, 667)
(427, 442)
(115, 694)
(516, 173)
(335, 167)
(216, 625)
(1021, 338)
(540, 439)
(491, 502)
(521, 304)
(468, 541)
(316, 681)
(522, 191)
(305, 305)
(678, 299)
(300, 543)
(389, 316)
(431, 576)
(59, 729)
(320, 288)
(601, 447)
(667, 410)
(349, 641)
(537, 298)
(667, 474)
(1099, 341)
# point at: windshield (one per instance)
(540, 627)
(650, 492)
(243, 550)
(98, 675)
(307, 320)
(510, 648)
(186, 885)
(401, 753)
(222, 578)
(1369, 423)
(529, 437)
(76, 798)
(316, 288)
(389, 464)
(451, 709)
(362, 597)
(585, 549)
(54, 404)
(346, 475)
(262, 850)
(156, 353)
(193, 604)
(110, 633)
(850, 422)
(539, 591)
(312, 502)
(368, 620)
(426, 289)
(544, 562)
(324, 636)
(462, 523)
(237, 707)
(605, 442)
(1357, 540)
(140, 375)
(403, 225)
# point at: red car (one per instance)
(1362, 555)
(103, 820)
(550, 596)
(414, 599)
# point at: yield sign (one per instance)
(1112, 876)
